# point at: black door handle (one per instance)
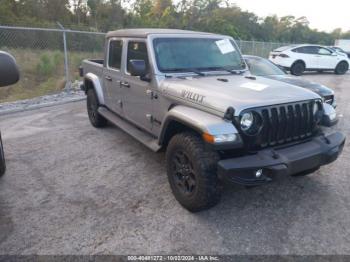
(108, 78)
(125, 84)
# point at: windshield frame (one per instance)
(152, 37)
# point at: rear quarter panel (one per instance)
(94, 73)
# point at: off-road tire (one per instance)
(92, 107)
(203, 164)
(2, 159)
(341, 68)
(297, 68)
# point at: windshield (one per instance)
(338, 49)
(186, 54)
(263, 67)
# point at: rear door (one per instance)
(112, 75)
(137, 101)
(309, 54)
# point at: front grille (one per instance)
(282, 124)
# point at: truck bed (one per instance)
(94, 66)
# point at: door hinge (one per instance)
(151, 94)
(149, 117)
(153, 120)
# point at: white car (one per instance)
(300, 58)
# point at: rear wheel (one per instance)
(191, 169)
(342, 68)
(92, 107)
(297, 68)
(2, 159)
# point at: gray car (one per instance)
(190, 94)
(263, 67)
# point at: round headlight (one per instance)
(247, 121)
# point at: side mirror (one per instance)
(138, 68)
(9, 73)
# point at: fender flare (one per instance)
(96, 85)
(200, 121)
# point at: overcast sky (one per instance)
(322, 15)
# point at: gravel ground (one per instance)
(73, 189)
(42, 101)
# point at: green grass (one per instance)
(42, 72)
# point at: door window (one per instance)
(324, 51)
(310, 50)
(137, 51)
(115, 54)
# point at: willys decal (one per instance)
(192, 96)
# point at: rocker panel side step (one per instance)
(129, 128)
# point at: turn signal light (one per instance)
(216, 139)
(208, 138)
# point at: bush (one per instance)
(45, 66)
(48, 63)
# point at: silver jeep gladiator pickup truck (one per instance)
(189, 93)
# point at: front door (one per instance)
(112, 75)
(137, 101)
(326, 59)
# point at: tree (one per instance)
(203, 15)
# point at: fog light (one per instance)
(258, 173)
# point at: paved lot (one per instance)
(73, 189)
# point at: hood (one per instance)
(312, 86)
(220, 92)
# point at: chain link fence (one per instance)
(258, 48)
(49, 58)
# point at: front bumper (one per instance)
(290, 160)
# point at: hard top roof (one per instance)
(144, 32)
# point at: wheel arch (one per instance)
(93, 81)
(182, 118)
(299, 61)
(341, 61)
(173, 126)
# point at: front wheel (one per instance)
(2, 159)
(342, 68)
(191, 169)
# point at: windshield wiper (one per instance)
(186, 70)
(232, 71)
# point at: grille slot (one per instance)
(282, 124)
